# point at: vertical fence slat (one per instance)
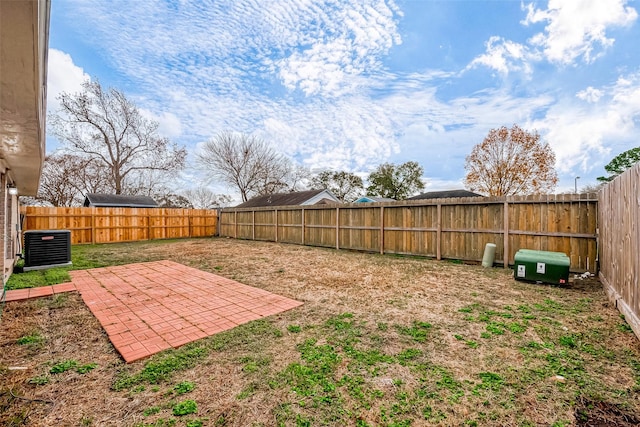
(303, 223)
(505, 243)
(381, 238)
(439, 232)
(337, 228)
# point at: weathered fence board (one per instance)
(441, 228)
(108, 225)
(619, 214)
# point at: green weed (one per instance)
(185, 408)
(490, 381)
(151, 411)
(408, 355)
(86, 368)
(32, 339)
(39, 380)
(249, 390)
(63, 366)
(294, 329)
(184, 387)
(163, 366)
(418, 330)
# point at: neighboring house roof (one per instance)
(445, 194)
(310, 197)
(372, 199)
(119, 201)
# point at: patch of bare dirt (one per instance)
(603, 414)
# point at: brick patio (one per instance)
(149, 307)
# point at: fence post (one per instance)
(276, 223)
(253, 225)
(148, 224)
(439, 232)
(382, 230)
(93, 226)
(218, 221)
(235, 225)
(302, 226)
(337, 228)
(506, 235)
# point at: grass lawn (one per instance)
(379, 341)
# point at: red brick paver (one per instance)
(149, 307)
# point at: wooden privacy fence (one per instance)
(441, 228)
(109, 225)
(619, 203)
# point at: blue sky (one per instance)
(347, 85)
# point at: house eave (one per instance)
(24, 39)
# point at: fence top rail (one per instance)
(544, 198)
(92, 210)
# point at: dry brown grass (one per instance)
(246, 377)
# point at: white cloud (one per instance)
(590, 94)
(582, 136)
(350, 44)
(169, 125)
(504, 56)
(577, 29)
(62, 76)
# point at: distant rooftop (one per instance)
(118, 201)
(445, 194)
(309, 197)
(370, 199)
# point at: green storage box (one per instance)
(542, 266)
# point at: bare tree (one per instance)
(203, 198)
(172, 200)
(67, 178)
(246, 163)
(107, 127)
(511, 161)
(346, 186)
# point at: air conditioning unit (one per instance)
(46, 249)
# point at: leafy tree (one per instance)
(346, 186)
(248, 164)
(108, 128)
(396, 181)
(511, 161)
(621, 163)
(203, 198)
